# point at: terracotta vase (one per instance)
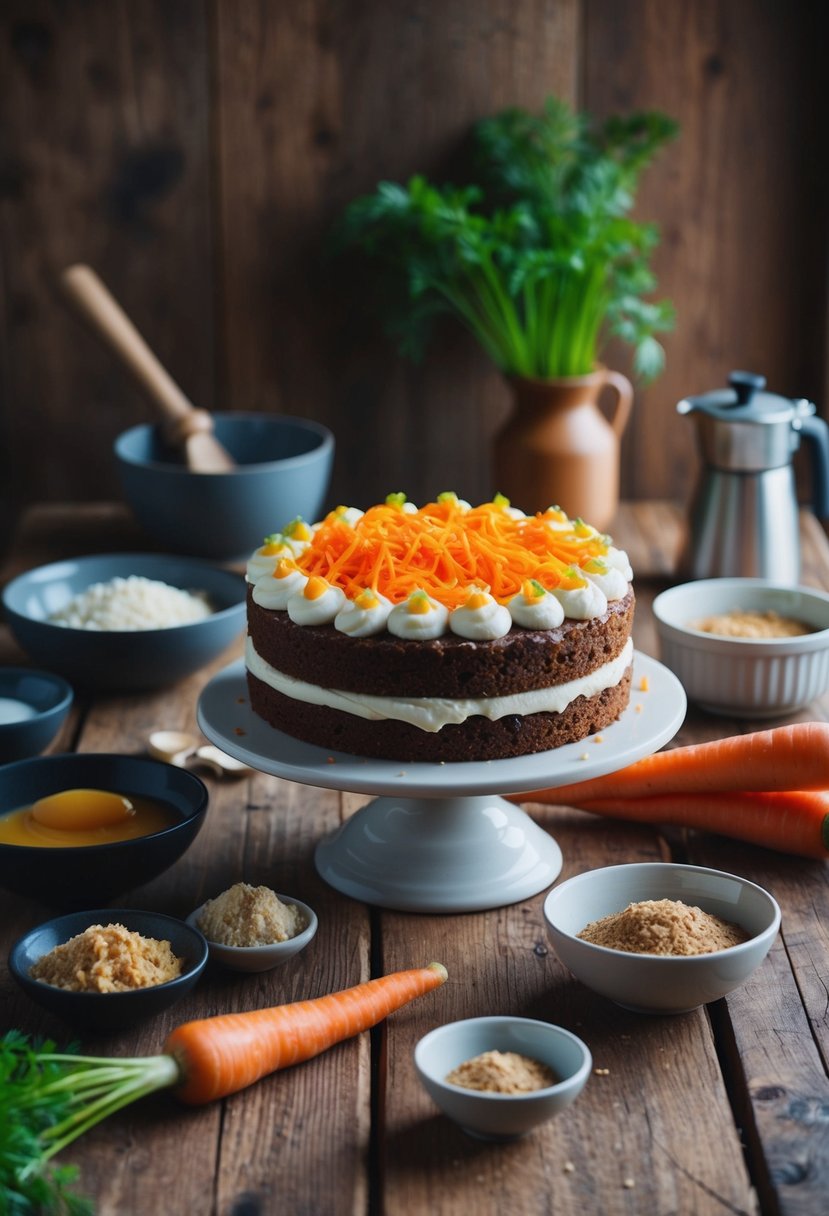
(557, 447)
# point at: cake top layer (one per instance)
(445, 559)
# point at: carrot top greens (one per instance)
(47, 1100)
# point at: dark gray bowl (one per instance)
(76, 877)
(44, 698)
(123, 661)
(284, 470)
(108, 1010)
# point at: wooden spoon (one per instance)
(184, 425)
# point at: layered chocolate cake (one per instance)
(445, 633)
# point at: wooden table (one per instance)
(725, 1110)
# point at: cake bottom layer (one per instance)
(478, 738)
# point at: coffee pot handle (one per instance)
(816, 434)
(623, 388)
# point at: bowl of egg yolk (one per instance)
(77, 830)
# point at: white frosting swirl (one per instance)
(617, 559)
(274, 592)
(348, 515)
(537, 612)
(364, 616)
(263, 561)
(480, 622)
(581, 603)
(318, 609)
(607, 578)
(407, 621)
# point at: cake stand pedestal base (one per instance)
(441, 854)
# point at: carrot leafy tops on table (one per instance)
(49, 1098)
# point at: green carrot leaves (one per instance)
(47, 1100)
(538, 258)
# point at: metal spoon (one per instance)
(183, 750)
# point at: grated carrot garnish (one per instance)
(444, 550)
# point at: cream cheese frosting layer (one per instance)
(432, 713)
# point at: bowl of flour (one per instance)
(126, 622)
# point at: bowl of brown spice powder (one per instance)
(499, 1077)
(661, 938)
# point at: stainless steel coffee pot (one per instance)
(743, 518)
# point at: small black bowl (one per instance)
(108, 1010)
(75, 877)
(45, 698)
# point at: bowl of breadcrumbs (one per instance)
(661, 938)
(108, 968)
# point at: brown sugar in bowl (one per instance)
(660, 983)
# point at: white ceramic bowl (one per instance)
(745, 677)
(493, 1116)
(649, 983)
(262, 958)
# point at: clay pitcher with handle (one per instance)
(557, 447)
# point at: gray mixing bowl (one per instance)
(284, 471)
(129, 660)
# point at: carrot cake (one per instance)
(441, 633)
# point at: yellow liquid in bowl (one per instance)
(79, 818)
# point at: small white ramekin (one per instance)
(745, 677)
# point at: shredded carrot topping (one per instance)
(445, 550)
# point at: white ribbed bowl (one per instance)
(745, 677)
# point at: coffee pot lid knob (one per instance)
(745, 385)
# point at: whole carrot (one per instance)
(791, 821)
(220, 1055)
(794, 757)
(51, 1098)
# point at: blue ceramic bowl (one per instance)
(77, 876)
(127, 661)
(284, 471)
(108, 1010)
(33, 707)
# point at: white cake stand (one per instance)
(439, 837)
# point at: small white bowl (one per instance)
(651, 983)
(745, 677)
(262, 958)
(494, 1116)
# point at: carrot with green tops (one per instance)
(791, 821)
(48, 1099)
(794, 757)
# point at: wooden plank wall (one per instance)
(197, 152)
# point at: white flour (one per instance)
(132, 603)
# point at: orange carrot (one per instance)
(444, 548)
(202, 1060)
(794, 757)
(791, 821)
(220, 1055)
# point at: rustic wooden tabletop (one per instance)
(722, 1110)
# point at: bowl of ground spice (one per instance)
(499, 1077)
(745, 647)
(252, 928)
(661, 938)
(108, 968)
